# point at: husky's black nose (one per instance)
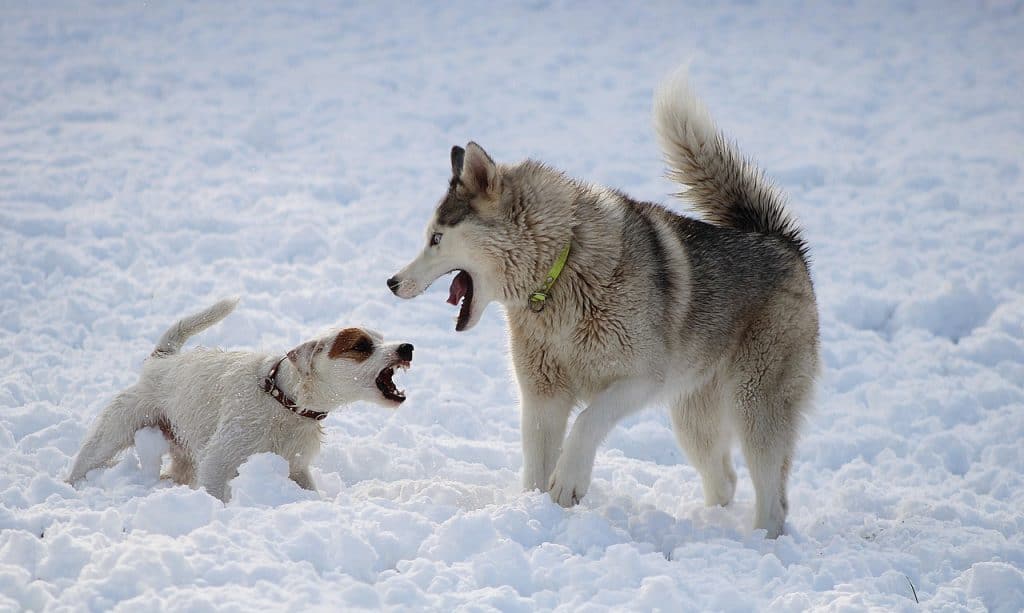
(405, 352)
(393, 286)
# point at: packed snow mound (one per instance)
(263, 481)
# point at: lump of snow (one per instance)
(263, 481)
(150, 447)
(997, 584)
(953, 311)
(174, 511)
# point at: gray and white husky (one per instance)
(715, 318)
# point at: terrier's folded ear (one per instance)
(302, 357)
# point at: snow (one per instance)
(157, 157)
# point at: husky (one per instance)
(614, 304)
(217, 408)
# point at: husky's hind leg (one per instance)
(769, 452)
(773, 390)
(113, 431)
(704, 433)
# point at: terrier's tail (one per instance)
(172, 340)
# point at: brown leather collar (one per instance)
(270, 387)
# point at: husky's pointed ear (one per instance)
(302, 357)
(479, 172)
(458, 155)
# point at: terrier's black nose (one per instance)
(393, 285)
(405, 352)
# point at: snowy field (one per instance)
(157, 156)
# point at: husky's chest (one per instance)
(582, 358)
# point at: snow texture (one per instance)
(158, 156)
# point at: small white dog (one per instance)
(217, 408)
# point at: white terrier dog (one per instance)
(217, 408)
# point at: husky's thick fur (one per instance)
(216, 408)
(715, 318)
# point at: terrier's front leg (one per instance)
(231, 445)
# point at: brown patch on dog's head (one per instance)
(351, 343)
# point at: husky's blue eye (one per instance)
(435, 239)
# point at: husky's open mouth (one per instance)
(386, 382)
(462, 289)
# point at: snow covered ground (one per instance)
(157, 156)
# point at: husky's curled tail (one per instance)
(726, 188)
(172, 340)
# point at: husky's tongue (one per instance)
(462, 290)
(460, 285)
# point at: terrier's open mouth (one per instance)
(461, 289)
(386, 382)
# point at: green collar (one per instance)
(538, 297)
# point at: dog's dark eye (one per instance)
(363, 346)
(435, 239)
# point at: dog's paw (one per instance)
(568, 485)
(565, 496)
(535, 480)
(719, 490)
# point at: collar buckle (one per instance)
(537, 301)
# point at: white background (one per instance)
(157, 156)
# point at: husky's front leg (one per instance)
(571, 477)
(543, 426)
